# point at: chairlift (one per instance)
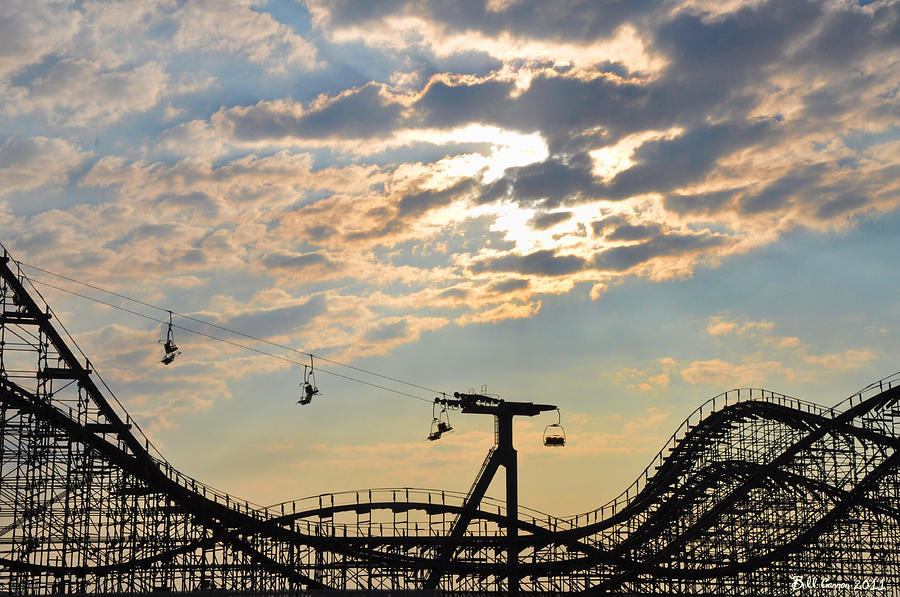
(169, 346)
(440, 423)
(554, 434)
(309, 383)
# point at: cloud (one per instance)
(78, 91)
(33, 162)
(355, 114)
(622, 258)
(210, 216)
(554, 181)
(196, 138)
(234, 27)
(668, 164)
(508, 310)
(530, 18)
(776, 195)
(719, 326)
(447, 104)
(385, 334)
(687, 38)
(796, 359)
(295, 262)
(534, 150)
(509, 285)
(848, 360)
(387, 331)
(277, 321)
(723, 374)
(137, 30)
(849, 34)
(92, 63)
(539, 263)
(31, 30)
(765, 361)
(649, 379)
(619, 228)
(508, 31)
(555, 103)
(840, 206)
(650, 383)
(707, 140)
(550, 219)
(424, 200)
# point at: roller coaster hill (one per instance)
(756, 493)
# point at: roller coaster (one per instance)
(756, 493)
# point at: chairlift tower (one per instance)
(502, 454)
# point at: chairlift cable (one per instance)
(223, 328)
(231, 342)
(440, 423)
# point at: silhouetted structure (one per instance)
(755, 492)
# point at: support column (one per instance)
(505, 429)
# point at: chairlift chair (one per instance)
(170, 347)
(444, 421)
(435, 431)
(308, 384)
(309, 391)
(171, 352)
(554, 434)
(440, 423)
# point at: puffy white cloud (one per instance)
(570, 34)
(650, 379)
(135, 31)
(33, 162)
(92, 63)
(234, 27)
(848, 360)
(723, 374)
(796, 360)
(719, 326)
(77, 92)
(32, 29)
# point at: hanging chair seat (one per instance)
(554, 436)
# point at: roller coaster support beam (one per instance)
(30, 310)
(503, 454)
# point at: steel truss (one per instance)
(754, 492)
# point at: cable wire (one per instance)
(226, 329)
(233, 343)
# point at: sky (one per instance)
(621, 208)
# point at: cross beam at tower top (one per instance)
(487, 405)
